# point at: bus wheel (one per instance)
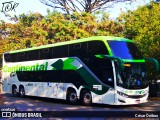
(21, 91)
(14, 91)
(72, 97)
(86, 98)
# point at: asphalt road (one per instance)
(32, 104)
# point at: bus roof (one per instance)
(102, 38)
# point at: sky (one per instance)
(26, 6)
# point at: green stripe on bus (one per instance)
(140, 61)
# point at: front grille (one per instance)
(136, 96)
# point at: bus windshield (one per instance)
(124, 50)
(133, 77)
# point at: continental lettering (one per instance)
(19, 67)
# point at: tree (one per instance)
(88, 6)
(26, 20)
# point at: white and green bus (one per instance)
(101, 69)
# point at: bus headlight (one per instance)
(122, 94)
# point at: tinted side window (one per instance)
(14, 57)
(71, 76)
(46, 53)
(33, 55)
(7, 57)
(40, 76)
(97, 47)
(60, 51)
(79, 49)
(22, 56)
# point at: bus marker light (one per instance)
(127, 65)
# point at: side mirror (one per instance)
(117, 59)
(155, 63)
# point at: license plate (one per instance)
(137, 101)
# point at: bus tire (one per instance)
(21, 91)
(86, 98)
(72, 97)
(14, 91)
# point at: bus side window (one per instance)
(55, 76)
(97, 47)
(33, 55)
(78, 50)
(14, 57)
(7, 57)
(46, 53)
(22, 56)
(60, 51)
(71, 76)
